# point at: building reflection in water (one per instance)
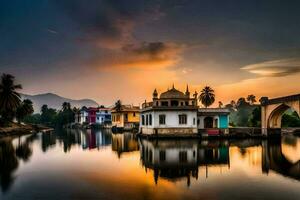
(177, 159)
(95, 139)
(168, 159)
(124, 143)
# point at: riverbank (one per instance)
(22, 129)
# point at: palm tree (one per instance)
(251, 99)
(118, 106)
(10, 99)
(207, 96)
(26, 108)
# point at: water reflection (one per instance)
(166, 160)
(177, 159)
(124, 143)
(8, 164)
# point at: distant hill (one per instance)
(55, 101)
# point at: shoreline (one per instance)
(20, 129)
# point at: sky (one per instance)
(124, 49)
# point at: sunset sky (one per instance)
(123, 49)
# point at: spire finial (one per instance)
(187, 87)
(173, 87)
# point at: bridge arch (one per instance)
(273, 109)
(274, 120)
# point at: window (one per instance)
(164, 103)
(182, 156)
(150, 119)
(186, 103)
(174, 103)
(147, 120)
(162, 119)
(182, 119)
(162, 155)
(194, 121)
(143, 120)
(118, 118)
(134, 114)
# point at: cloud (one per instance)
(145, 55)
(52, 31)
(110, 23)
(275, 68)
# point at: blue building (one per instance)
(103, 116)
(210, 118)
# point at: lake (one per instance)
(91, 164)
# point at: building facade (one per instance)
(103, 116)
(213, 118)
(127, 117)
(171, 112)
(93, 116)
(81, 117)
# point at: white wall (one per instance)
(172, 119)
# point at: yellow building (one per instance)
(127, 117)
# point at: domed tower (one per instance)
(187, 92)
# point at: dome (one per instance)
(172, 94)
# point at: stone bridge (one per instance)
(273, 109)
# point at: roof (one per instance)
(214, 111)
(128, 108)
(172, 94)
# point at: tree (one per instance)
(10, 99)
(207, 96)
(251, 99)
(255, 120)
(66, 106)
(290, 120)
(118, 105)
(25, 109)
(48, 116)
(233, 104)
(220, 104)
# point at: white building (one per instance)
(103, 116)
(172, 112)
(82, 116)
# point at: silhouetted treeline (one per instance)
(52, 117)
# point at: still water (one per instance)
(100, 165)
